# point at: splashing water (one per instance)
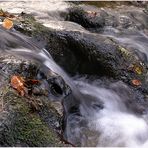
(111, 125)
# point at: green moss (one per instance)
(31, 130)
(29, 26)
(26, 126)
(126, 54)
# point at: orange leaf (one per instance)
(136, 82)
(7, 23)
(17, 83)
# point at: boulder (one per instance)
(88, 53)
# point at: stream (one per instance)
(96, 114)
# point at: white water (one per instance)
(43, 10)
(115, 124)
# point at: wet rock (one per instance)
(87, 19)
(32, 120)
(93, 18)
(89, 53)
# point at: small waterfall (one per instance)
(96, 115)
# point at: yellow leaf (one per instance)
(138, 70)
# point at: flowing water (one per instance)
(126, 37)
(99, 113)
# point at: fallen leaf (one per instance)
(138, 70)
(136, 82)
(17, 83)
(7, 23)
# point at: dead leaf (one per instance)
(136, 82)
(7, 23)
(138, 70)
(17, 83)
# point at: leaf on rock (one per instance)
(138, 70)
(17, 83)
(136, 82)
(23, 85)
(7, 23)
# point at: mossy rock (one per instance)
(22, 126)
(21, 122)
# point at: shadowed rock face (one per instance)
(122, 17)
(78, 15)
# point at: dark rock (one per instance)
(87, 19)
(93, 18)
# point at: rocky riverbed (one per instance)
(86, 41)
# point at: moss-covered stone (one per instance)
(24, 127)
(30, 120)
